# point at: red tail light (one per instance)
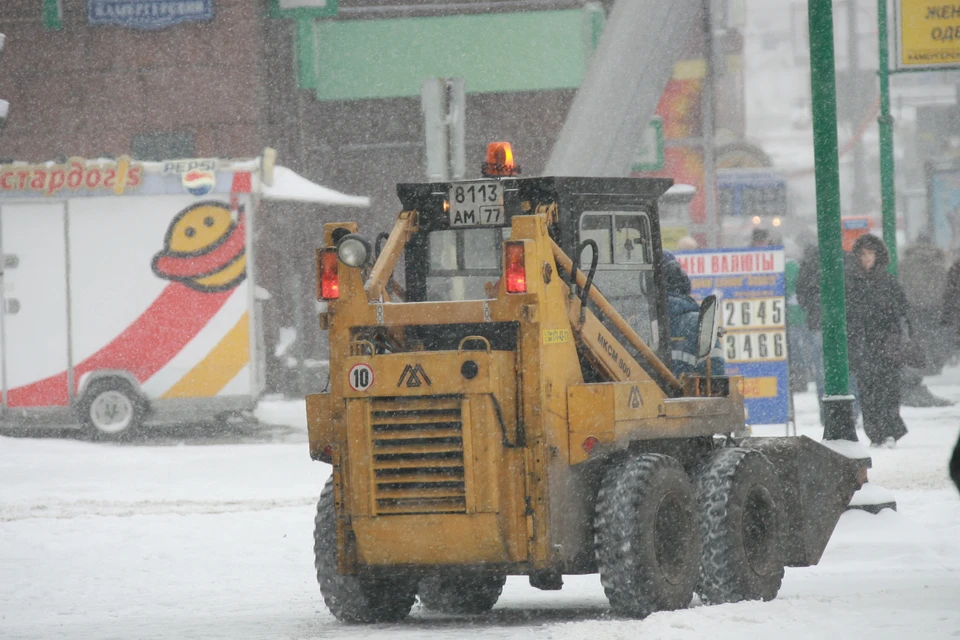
(515, 268)
(590, 443)
(328, 280)
(327, 454)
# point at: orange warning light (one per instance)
(499, 161)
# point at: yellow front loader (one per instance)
(496, 408)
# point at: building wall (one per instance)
(91, 90)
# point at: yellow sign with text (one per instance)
(556, 336)
(760, 387)
(928, 34)
(669, 236)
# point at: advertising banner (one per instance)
(928, 35)
(943, 202)
(148, 14)
(750, 287)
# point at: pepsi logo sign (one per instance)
(199, 183)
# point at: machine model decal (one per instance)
(360, 377)
(611, 351)
(415, 376)
(204, 248)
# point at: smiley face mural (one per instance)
(204, 248)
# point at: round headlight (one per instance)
(353, 250)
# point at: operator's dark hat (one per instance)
(675, 279)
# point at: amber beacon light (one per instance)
(499, 163)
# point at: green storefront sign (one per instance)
(303, 9)
(501, 52)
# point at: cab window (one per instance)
(623, 238)
(625, 266)
(464, 264)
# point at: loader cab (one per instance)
(457, 253)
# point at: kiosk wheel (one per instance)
(111, 409)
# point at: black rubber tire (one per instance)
(138, 406)
(741, 524)
(355, 599)
(647, 535)
(461, 593)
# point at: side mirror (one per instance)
(708, 327)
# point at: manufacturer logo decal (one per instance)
(636, 400)
(414, 376)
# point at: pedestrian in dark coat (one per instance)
(876, 320)
(808, 286)
(950, 314)
(808, 295)
(923, 274)
(955, 464)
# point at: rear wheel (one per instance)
(355, 598)
(647, 535)
(741, 520)
(470, 593)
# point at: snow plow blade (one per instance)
(817, 486)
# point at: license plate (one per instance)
(476, 204)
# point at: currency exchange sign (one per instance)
(750, 287)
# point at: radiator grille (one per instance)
(418, 456)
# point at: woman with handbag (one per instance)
(878, 339)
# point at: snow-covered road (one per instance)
(215, 541)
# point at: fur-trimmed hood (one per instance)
(870, 241)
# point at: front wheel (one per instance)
(647, 535)
(358, 599)
(469, 593)
(741, 516)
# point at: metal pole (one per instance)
(887, 189)
(708, 124)
(837, 403)
(860, 191)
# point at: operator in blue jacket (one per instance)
(684, 315)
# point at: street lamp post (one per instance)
(837, 401)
